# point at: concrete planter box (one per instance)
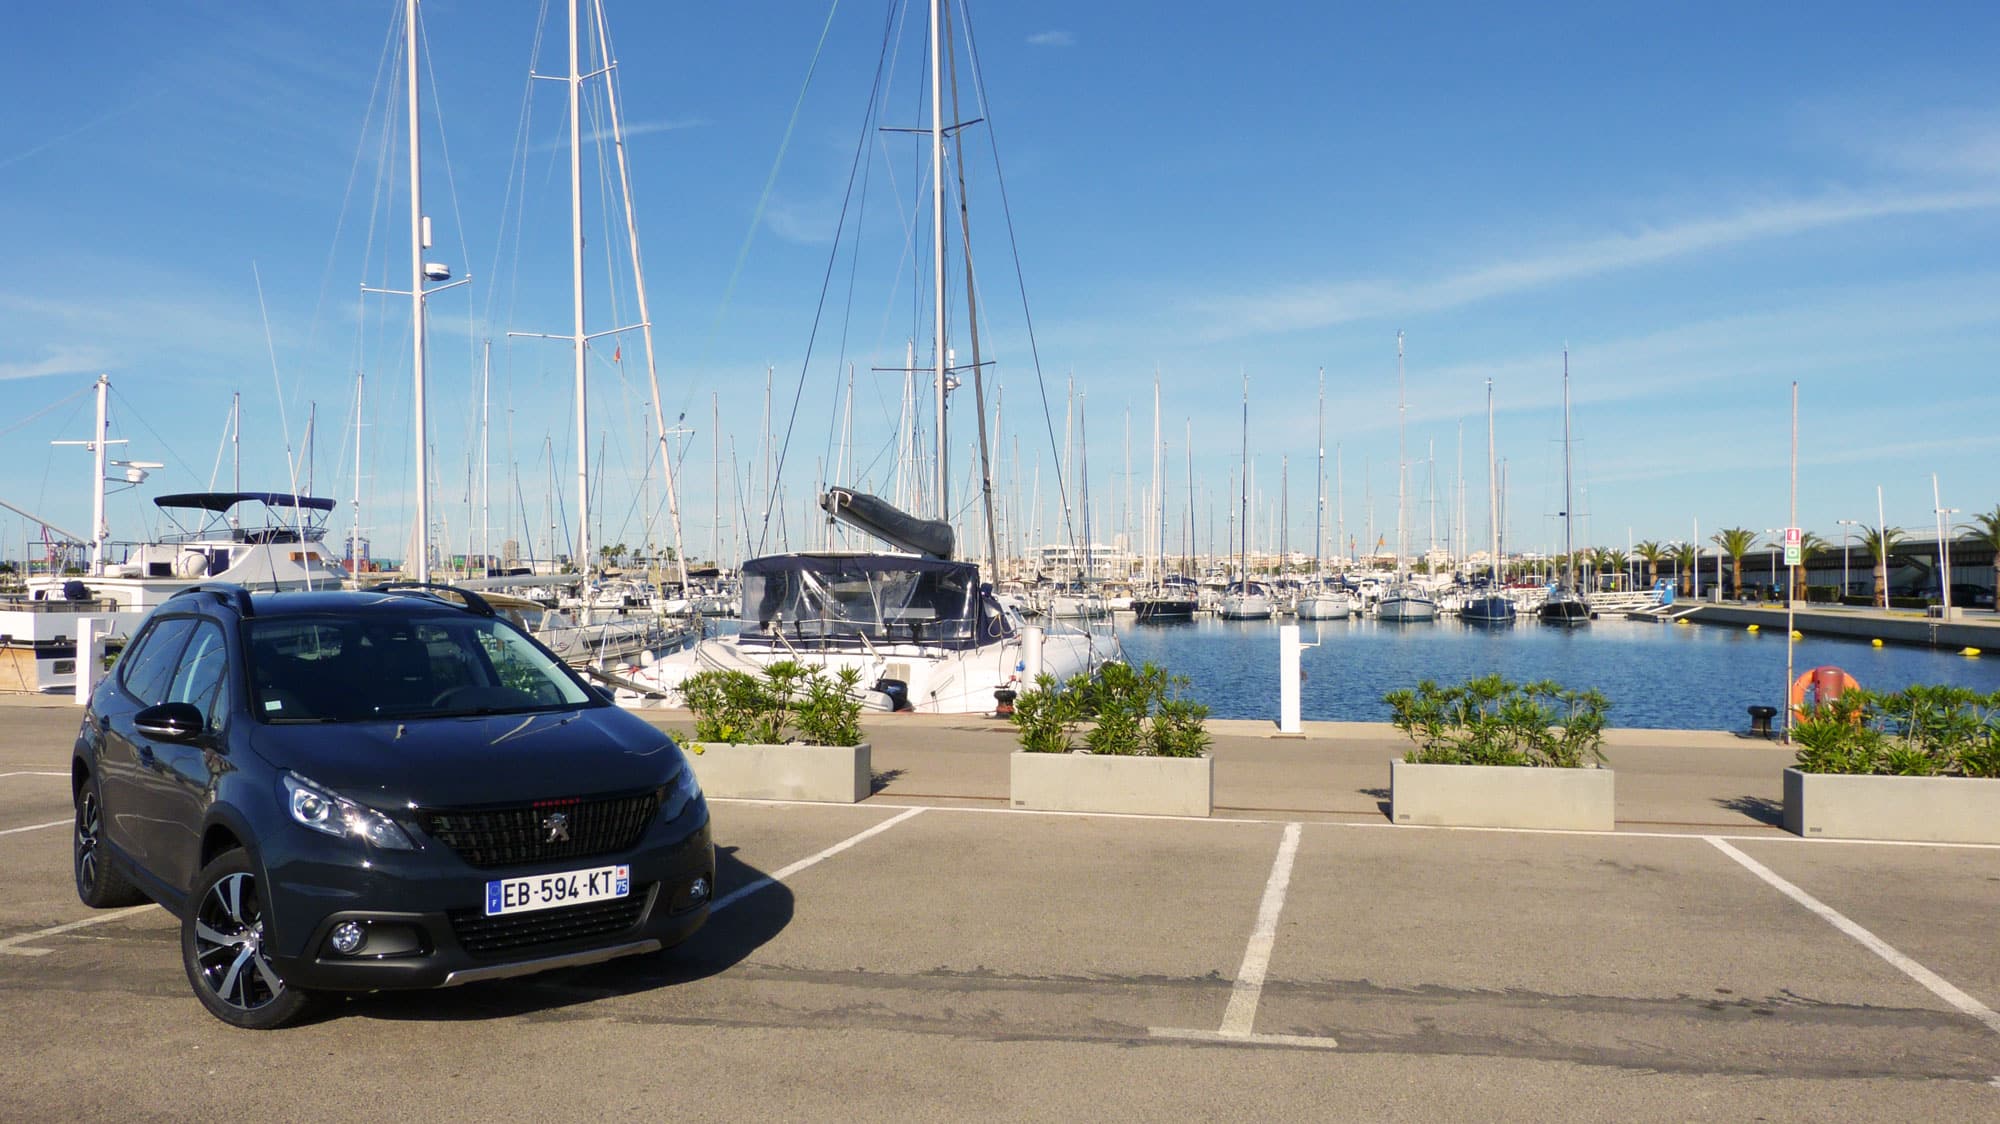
(1912, 809)
(1501, 796)
(833, 774)
(1088, 782)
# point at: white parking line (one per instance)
(1242, 1013)
(35, 827)
(1240, 1018)
(779, 875)
(9, 946)
(1691, 835)
(29, 773)
(1938, 985)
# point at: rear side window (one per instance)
(146, 669)
(200, 675)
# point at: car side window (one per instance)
(148, 667)
(201, 671)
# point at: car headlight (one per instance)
(680, 792)
(332, 814)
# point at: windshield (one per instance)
(348, 669)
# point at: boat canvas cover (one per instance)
(857, 598)
(889, 523)
(223, 501)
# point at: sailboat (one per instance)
(1405, 600)
(916, 621)
(1165, 599)
(1493, 606)
(1245, 600)
(1321, 601)
(1566, 607)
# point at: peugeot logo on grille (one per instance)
(555, 829)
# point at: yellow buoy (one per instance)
(1754, 628)
(1875, 643)
(1970, 653)
(1682, 623)
(1797, 635)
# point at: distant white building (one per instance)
(1062, 560)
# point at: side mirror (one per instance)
(171, 722)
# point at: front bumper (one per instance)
(423, 914)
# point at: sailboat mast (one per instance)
(937, 249)
(354, 534)
(423, 536)
(1159, 493)
(1569, 547)
(578, 340)
(639, 283)
(1243, 497)
(1319, 479)
(1402, 462)
(1492, 485)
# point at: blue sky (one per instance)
(1704, 203)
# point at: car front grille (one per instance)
(522, 834)
(480, 935)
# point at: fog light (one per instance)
(698, 890)
(348, 937)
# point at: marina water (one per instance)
(1658, 676)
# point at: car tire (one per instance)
(222, 948)
(100, 882)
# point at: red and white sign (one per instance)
(1793, 536)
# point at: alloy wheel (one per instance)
(229, 944)
(89, 822)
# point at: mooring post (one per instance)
(89, 657)
(1288, 679)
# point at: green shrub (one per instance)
(1132, 712)
(1047, 716)
(1492, 721)
(789, 700)
(1921, 731)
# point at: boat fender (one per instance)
(898, 693)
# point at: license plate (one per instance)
(553, 891)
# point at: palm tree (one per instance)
(1735, 542)
(1685, 556)
(1810, 546)
(1610, 560)
(1652, 554)
(1880, 544)
(1985, 529)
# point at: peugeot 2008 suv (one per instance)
(370, 790)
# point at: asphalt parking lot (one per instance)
(953, 960)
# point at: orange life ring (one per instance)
(1819, 686)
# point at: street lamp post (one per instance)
(1772, 547)
(1846, 548)
(1944, 515)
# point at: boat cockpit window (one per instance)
(878, 599)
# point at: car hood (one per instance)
(464, 762)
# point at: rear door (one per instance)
(181, 786)
(126, 759)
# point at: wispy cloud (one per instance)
(1052, 39)
(798, 223)
(56, 361)
(1319, 305)
(630, 130)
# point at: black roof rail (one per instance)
(473, 601)
(229, 593)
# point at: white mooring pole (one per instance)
(1288, 679)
